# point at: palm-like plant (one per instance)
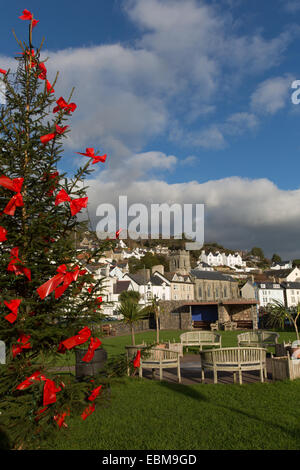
(278, 314)
(132, 312)
(155, 308)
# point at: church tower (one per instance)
(180, 262)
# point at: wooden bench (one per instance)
(230, 325)
(157, 358)
(236, 360)
(200, 338)
(203, 325)
(245, 324)
(261, 339)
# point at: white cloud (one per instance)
(239, 213)
(272, 95)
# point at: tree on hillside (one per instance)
(276, 258)
(256, 251)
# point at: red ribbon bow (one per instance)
(62, 104)
(60, 419)
(94, 344)
(16, 186)
(43, 71)
(137, 359)
(50, 389)
(90, 152)
(27, 15)
(15, 265)
(23, 343)
(63, 276)
(36, 376)
(94, 393)
(81, 337)
(3, 233)
(13, 306)
(59, 131)
(75, 204)
(88, 411)
(4, 72)
(49, 87)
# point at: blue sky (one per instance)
(190, 99)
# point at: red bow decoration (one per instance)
(137, 359)
(23, 343)
(50, 89)
(99, 301)
(43, 71)
(94, 344)
(15, 265)
(75, 204)
(13, 306)
(63, 276)
(36, 376)
(118, 233)
(4, 72)
(88, 411)
(90, 152)
(62, 104)
(94, 393)
(50, 391)
(3, 233)
(27, 15)
(60, 419)
(16, 186)
(59, 131)
(81, 337)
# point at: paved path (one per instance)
(191, 373)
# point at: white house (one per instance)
(282, 265)
(149, 288)
(292, 293)
(221, 259)
(269, 292)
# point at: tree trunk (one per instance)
(157, 327)
(132, 336)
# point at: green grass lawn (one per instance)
(153, 415)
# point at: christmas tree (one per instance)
(48, 299)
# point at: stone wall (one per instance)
(175, 315)
(124, 329)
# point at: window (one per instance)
(225, 291)
(200, 291)
(208, 291)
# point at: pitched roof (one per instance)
(282, 273)
(120, 286)
(291, 285)
(212, 275)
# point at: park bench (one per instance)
(236, 360)
(230, 325)
(261, 339)
(200, 338)
(158, 358)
